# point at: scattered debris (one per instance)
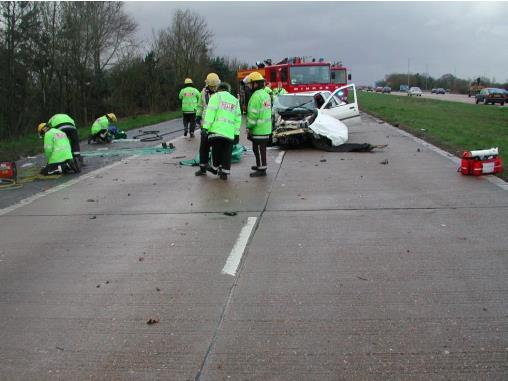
(418, 150)
(359, 277)
(396, 124)
(152, 321)
(93, 217)
(322, 160)
(59, 348)
(178, 157)
(90, 200)
(128, 194)
(191, 204)
(27, 165)
(141, 259)
(158, 289)
(98, 286)
(230, 213)
(107, 282)
(384, 162)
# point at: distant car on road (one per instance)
(387, 89)
(440, 90)
(403, 88)
(370, 88)
(491, 95)
(433, 91)
(379, 89)
(416, 91)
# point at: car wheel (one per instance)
(502, 103)
(477, 100)
(485, 101)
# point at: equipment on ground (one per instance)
(481, 162)
(8, 172)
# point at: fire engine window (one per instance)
(273, 76)
(303, 75)
(339, 76)
(284, 75)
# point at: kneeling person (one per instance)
(57, 150)
(103, 128)
(65, 123)
(222, 121)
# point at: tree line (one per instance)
(82, 58)
(446, 81)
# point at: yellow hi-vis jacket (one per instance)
(259, 114)
(190, 97)
(223, 116)
(57, 148)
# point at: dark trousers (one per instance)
(72, 134)
(259, 148)
(189, 122)
(204, 149)
(222, 150)
(67, 166)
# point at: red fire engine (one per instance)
(296, 75)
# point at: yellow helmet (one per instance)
(42, 128)
(112, 117)
(212, 80)
(255, 76)
(187, 81)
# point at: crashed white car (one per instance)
(317, 117)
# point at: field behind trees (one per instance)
(82, 58)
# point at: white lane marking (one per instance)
(29, 200)
(279, 158)
(493, 179)
(236, 254)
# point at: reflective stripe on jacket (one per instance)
(190, 98)
(57, 148)
(223, 116)
(259, 113)
(100, 124)
(60, 120)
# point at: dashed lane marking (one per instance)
(238, 249)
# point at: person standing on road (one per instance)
(104, 128)
(65, 123)
(222, 122)
(259, 122)
(212, 82)
(189, 96)
(57, 150)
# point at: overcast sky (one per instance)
(371, 38)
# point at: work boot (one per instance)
(210, 169)
(258, 174)
(200, 172)
(254, 167)
(185, 133)
(192, 134)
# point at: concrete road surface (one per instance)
(335, 266)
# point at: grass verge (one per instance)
(14, 149)
(452, 126)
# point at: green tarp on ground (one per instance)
(238, 150)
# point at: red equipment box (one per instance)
(8, 171)
(484, 162)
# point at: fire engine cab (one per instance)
(297, 75)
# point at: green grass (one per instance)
(452, 126)
(30, 145)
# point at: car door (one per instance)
(346, 111)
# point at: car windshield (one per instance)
(304, 75)
(495, 91)
(283, 102)
(415, 88)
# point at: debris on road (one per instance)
(152, 321)
(230, 213)
(93, 217)
(322, 160)
(359, 277)
(141, 259)
(384, 162)
(90, 200)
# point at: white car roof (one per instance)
(326, 93)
